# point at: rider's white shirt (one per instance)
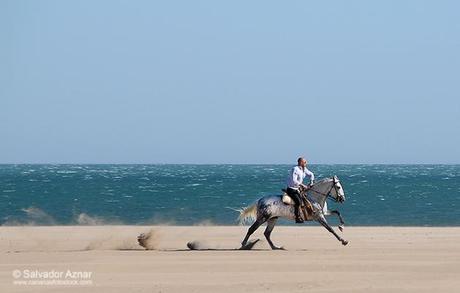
(297, 175)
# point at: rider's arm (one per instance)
(310, 174)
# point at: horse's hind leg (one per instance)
(252, 229)
(323, 222)
(268, 231)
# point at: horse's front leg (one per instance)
(322, 221)
(342, 223)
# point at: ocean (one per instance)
(376, 195)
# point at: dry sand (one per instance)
(378, 259)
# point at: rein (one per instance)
(327, 194)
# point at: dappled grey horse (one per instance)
(270, 208)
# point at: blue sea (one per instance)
(396, 195)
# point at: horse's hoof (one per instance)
(341, 228)
(248, 245)
(278, 248)
(344, 242)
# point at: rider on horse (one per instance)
(294, 184)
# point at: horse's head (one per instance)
(337, 190)
(328, 188)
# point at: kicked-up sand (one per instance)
(109, 259)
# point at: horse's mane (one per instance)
(324, 180)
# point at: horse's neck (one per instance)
(319, 191)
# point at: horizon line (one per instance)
(25, 163)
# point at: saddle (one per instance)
(305, 206)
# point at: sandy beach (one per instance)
(377, 259)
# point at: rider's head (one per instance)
(301, 162)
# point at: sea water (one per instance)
(397, 195)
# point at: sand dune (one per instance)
(378, 259)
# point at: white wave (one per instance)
(66, 172)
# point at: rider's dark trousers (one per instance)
(295, 195)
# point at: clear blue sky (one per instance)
(229, 81)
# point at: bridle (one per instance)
(328, 194)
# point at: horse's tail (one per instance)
(248, 214)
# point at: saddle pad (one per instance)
(287, 199)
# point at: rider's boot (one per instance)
(298, 219)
